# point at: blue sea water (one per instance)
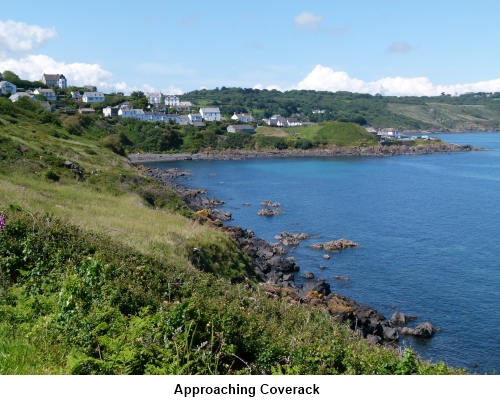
(428, 228)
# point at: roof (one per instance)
(45, 90)
(198, 124)
(210, 110)
(242, 127)
(154, 94)
(172, 95)
(93, 94)
(48, 76)
(86, 109)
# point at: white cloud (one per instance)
(399, 47)
(326, 79)
(307, 21)
(274, 87)
(19, 37)
(33, 67)
(258, 86)
(172, 90)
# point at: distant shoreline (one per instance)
(241, 154)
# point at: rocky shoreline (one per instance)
(241, 154)
(278, 273)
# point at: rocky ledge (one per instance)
(377, 150)
(277, 272)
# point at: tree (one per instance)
(136, 95)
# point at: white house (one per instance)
(46, 105)
(49, 94)
(210, 114)
(76, 95)
(388, 133)
(186, 103)
(235, 129)
(243, 117)
(7, 87)
(110, 111)
(273, 120)
(55, 80)
(184, 119)
(154, 98)
(193, 117)
(131, 113)
(172, 100)
(93, 97)
(17, 96)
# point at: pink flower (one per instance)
(3, 222)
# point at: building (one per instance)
(188, 103)
(93, 97)
(181, 107)
(55, 80)
(49, 94)
(184, 119)
(17, 96)
(210, 114)
(154, 98)
(86, 111)
(243, 117)
(76, 95)
(201, 125)
(46, 105)
(238, 129)
(7, 87)
(273, 120)
(172, 100)
(195, 117)
(388, 133)
(131, 113)
(110, 111)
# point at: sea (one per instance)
(428, 229)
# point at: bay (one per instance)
(428, 229)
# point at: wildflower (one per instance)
(3, 222)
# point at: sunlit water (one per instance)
(428, 228)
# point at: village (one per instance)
(166, 108)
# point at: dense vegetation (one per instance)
(474, 110)
(103, 271)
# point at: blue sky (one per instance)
(391, 47)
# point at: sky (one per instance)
(388, 47)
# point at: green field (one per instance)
(330, 133)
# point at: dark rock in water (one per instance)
(398, 318)
(222, 215)
(288, 277)
(278, 237)
(411, 318)
(322, 267)
(390, 333)
(341, 278)
(318, 246)
(246, 204)
(407, 331)
(319, 285)
(326, 257)
(269, 213)
(270, 204)
(283, 265)
(308, 275)
(373, 339)
(424, 330)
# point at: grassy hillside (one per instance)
(103, 271)
(330, 133)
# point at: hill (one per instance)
(105, 271)
(471, 111)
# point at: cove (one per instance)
(427, 225)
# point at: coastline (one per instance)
(278, 273)
(354, 151)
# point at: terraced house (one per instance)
(93, 97)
